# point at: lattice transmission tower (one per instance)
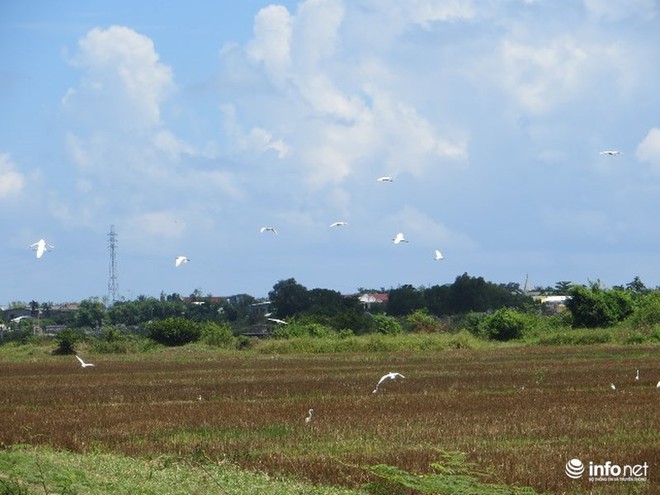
(113, 286)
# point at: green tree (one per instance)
(404, 300)
(594, 306)
(90, 314)
(288, 298)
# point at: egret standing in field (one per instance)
(83, 364)
(392, 375)
(637, 376)
(613, 387)
(179, 260)
(40, 247)
(308, 418)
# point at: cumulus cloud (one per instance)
(123, 77)
(12, 180)
(648, 150)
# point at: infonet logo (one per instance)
(575, 469)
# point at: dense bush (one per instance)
(421, 321)
(593, 306)
(647, 311)
(385, 324)
(174, 331)
(505, 324)
(217, 335)
(303, 328)
(66, 341)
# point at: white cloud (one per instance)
(124, 81)
(649, 149)
(271, 43)
(615, 10)
(12, 180)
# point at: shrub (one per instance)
(647, 311)
(66, 341)
(174, 331)
(302, 329)
(421, 321)
(505, 324)
(217, 335)
(387, 325)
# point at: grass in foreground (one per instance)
(31, 470)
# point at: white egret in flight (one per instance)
(179, 260)
(268, 229)
(392, 375)
(41, 246)
(610, 152)
(339, 224)
(385, 179)
(83, 364)
(437, 255)
(278, 321)
(399, 238)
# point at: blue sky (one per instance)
(190, 125)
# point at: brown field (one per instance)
(252, 410)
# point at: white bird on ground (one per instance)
(179, 260)
(437, 255)
(338, 224)
(385, 179)
(613, 387)
(41, 246)
(392, 375)
(278, 321)
(308, 418)
(610, 152)
(658, 385)
(268, 229)
(83, 364)
(637, 376)
(399, 238)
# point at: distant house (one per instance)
(552, 304)
(372, 299)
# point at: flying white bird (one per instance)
(610, 152)
(385, 179)
(278, 321)
(399, 238)
(308, 418)
(83, 364)
(268, 229)
(613, 387)
(392, 375)
(179, 260)
(437, 255)
(339, 224)
(41, 246)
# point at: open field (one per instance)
(522, 411)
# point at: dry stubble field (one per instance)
(524, 412)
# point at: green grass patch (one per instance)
(32, 470)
